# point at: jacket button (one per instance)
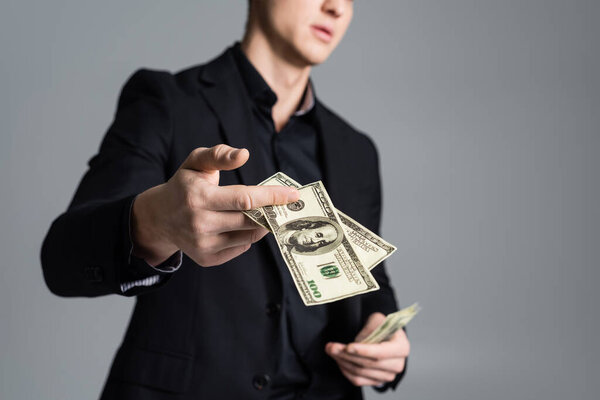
(273, 309)
(261, 381)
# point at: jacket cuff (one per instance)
(137, 273)
(168, 266)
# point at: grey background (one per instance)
(486, 115)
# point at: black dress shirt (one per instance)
(294, 151)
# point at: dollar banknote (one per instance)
(278, 179)
(321, 260)
(370, 248)
(392, 323)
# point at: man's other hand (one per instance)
(371, 364)
(193, 213)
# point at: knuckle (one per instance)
(190, 200)
(254, 236)
(203, 247)
(388, 377)
(398, 368)
(202, 260)
(195, 198)
(210, 263)
(217, 151)
(207, 260)
(213, 152)
(197, 151)
(189, 181)
(201, 228)
(274, 198)
(244, 201)
(361, 382)
(201, 225)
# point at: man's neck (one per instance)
(285, 78)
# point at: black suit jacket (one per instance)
(201, 332)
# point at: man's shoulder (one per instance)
(184, 81)
(162, 83)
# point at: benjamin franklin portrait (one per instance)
(311, 236)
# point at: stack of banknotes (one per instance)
(329, 255)
(392, 323)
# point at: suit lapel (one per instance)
(224, 91)
(334, 156)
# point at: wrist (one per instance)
(147, 235)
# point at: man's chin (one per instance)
(313, 54)
(317, 56)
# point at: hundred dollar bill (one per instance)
(370, 248)
(320, 258)
(278, 179)
(393, 322)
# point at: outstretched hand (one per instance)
(193, 213)
(371, 364)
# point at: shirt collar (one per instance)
(260, 91)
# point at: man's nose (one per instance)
(335, 8)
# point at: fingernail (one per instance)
(234, 154)
(293, 194)
(351, 349)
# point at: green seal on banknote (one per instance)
(330, 271)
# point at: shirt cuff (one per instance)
(149, 281)
(169, 266)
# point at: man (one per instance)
(162, 199)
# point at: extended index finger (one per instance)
(240, 197)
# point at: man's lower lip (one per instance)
(321, 34)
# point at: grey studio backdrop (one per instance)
(486, 114)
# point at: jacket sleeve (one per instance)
(384, 299)
(87, 250)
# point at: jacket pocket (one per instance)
(153, 369)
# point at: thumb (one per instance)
(334, 348)
(373, 322)
(216, 158)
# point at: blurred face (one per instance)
(314, 238)
(304, 32)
